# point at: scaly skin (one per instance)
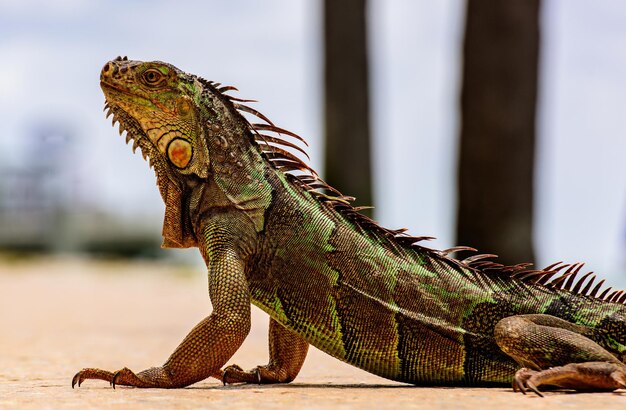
(328, 276)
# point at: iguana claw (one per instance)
(521, 381)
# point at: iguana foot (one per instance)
(287, 353)
(153, 377)
(259, 375)
(235, 374)
(590, 376)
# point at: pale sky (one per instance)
(51, 54)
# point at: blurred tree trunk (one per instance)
(347, 130)
(498, 100)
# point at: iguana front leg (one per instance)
(287, 353)
(215, 339)
(555, 352)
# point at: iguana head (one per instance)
(190, 131)
(155, 103)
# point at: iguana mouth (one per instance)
(114, 87)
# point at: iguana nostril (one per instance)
(106, 68)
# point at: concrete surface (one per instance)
(57, 316)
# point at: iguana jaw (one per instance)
(135, 134)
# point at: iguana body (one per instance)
(330, 277)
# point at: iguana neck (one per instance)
(237, 180)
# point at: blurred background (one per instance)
(493, 124)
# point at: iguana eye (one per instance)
(152, 76)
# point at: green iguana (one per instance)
(274, 234)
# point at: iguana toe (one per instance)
(123, 377)
(91, 373)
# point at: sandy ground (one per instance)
(57, 316)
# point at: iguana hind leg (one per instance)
(287, 353)
(558, 353)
